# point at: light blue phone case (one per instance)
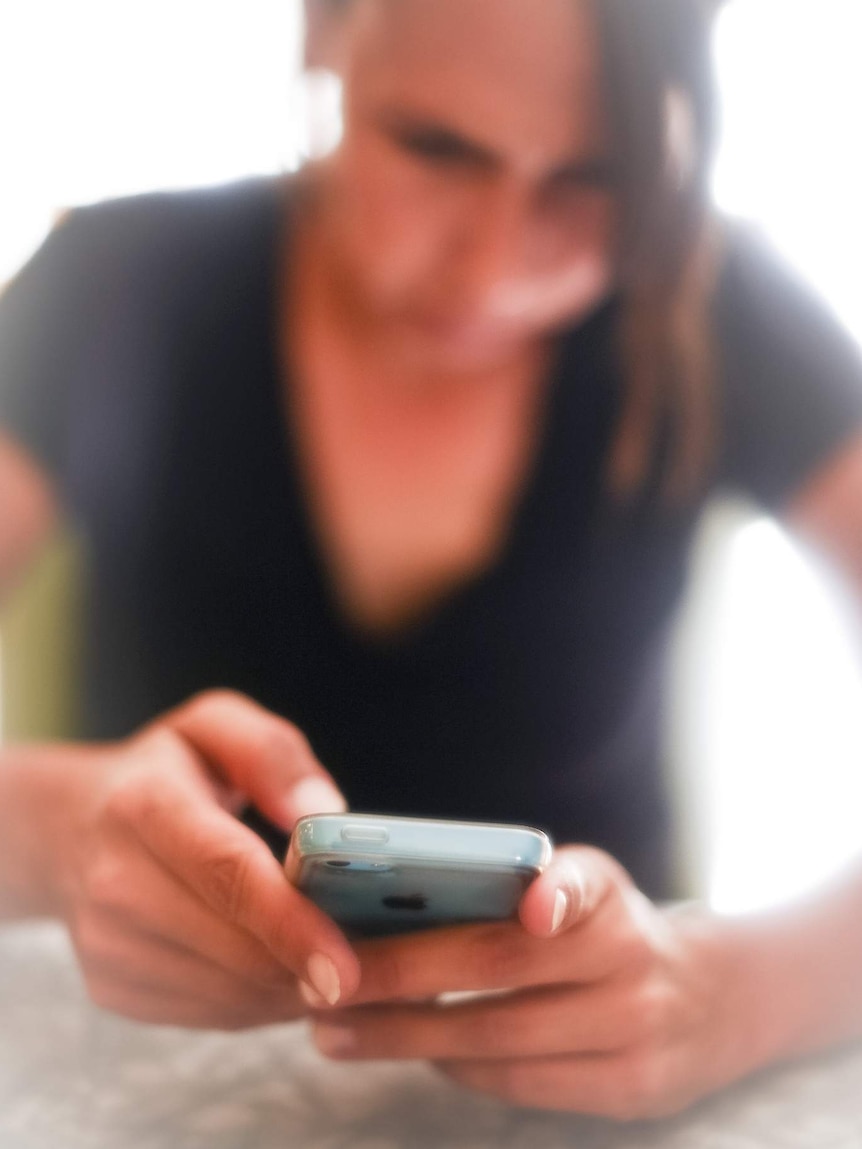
(382, 875)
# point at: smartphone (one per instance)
(378, 875)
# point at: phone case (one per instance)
(381, 875)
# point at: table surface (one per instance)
(73, 1077)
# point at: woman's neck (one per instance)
(411, 476)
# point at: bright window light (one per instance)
(782, 699)
(791, 90)
(113, 98)
(780, 736)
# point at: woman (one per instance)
(410, 450)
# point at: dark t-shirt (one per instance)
(138, 362)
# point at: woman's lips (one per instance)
(456, 333)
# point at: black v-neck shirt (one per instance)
(139, 364)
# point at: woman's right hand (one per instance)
(179, 913)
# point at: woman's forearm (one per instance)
(800, 969)
(41, 793)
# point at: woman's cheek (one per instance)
(578, 250)
(400, 220)
(582, 224)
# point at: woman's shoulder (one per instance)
(765, 305)
(171, 226)
(790, 370)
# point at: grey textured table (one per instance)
(72, 1077)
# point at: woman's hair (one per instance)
(659, 82)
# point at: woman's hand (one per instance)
(609, 1005)
(179, 914)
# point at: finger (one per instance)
(262, 755)
(528, 1024)
(162, 1007)
(574, 886)
(155, 965)
(605, 1085)
(231, 870)
(494, 956)
(145, 898)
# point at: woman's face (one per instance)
(471, 199)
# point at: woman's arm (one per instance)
(802, 966)
(179, 913)
(812, 953)
(28, 510)
(32, 792)
(827, 513)
(41, 789)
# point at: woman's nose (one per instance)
(492, 266)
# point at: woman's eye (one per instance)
(437, 147)
(599, 176)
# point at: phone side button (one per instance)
(365, 834)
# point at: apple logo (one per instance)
(413, 902)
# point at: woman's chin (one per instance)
(467, 345)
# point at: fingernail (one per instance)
(580, 890)
(314, 796)
(334, 1040)
(561, 904)
(310, 996)
(323, 976)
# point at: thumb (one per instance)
(570, 890)
(258, 753)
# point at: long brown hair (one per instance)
(658, 74)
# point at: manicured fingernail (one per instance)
(561, 904)
(334, 1040)
(310, 996)
(579, 889)
(314, 796)
(323, 977)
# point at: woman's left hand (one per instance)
(609, 1005)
